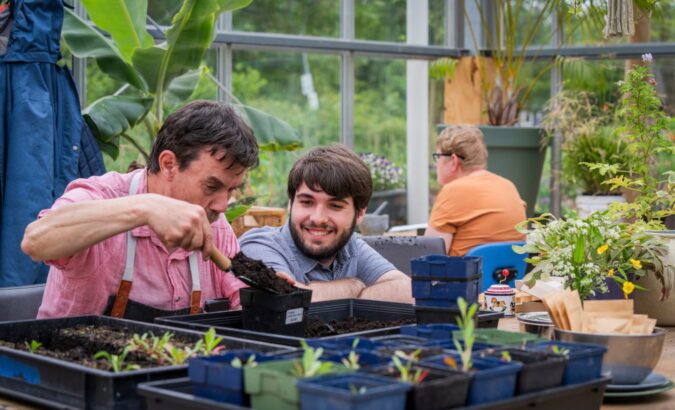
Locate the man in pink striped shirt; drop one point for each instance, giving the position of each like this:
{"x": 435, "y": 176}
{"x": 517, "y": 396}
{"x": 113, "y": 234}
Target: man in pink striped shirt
{"x": 153, "y": 227}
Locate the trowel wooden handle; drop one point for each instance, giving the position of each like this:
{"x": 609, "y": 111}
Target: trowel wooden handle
{"x": 222, "y": 261}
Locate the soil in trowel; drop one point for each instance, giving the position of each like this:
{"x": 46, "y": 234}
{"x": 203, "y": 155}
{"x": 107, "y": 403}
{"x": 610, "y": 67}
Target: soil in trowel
{"x": 258, "y": 272}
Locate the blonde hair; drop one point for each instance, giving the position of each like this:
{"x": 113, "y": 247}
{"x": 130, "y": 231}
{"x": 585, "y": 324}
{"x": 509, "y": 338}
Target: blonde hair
{"x": 464, "y": 141}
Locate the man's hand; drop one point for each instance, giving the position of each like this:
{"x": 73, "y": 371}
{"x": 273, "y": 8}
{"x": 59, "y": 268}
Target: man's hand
{"x": 288, "y": 278}
{"x": 179, "y": 224}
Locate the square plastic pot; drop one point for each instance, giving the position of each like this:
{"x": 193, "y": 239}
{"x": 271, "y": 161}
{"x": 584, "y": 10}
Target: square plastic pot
{"x": 584, "y": 361}
{"x": 436, "y": 331}
{"x": 444, "y": 293}
{"x": 540, "y": 370}
{"x": 343, "y": 392}
{"x": 281, "y": 314}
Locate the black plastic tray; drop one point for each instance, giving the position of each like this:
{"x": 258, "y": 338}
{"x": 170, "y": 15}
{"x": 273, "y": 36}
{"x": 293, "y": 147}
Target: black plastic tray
{"x": 176, "y": 394}
{"x": 61, "y": 384}
{"x": 584, "y": 396}
{"x": 230, "y": 323}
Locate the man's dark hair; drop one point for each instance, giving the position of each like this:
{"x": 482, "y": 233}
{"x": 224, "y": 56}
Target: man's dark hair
{"x": 335, "y": 170}
{"x": 201, "y": 124}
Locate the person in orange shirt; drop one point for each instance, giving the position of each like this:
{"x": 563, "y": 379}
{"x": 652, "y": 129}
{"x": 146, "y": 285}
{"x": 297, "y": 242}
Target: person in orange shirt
{"x": 474, "y": 206}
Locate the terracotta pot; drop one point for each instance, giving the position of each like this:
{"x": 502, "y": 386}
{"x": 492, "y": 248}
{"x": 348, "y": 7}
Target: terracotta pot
{"x": 648, "y": 302}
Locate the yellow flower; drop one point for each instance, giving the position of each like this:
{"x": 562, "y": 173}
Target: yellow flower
{"x": 602, "y": 249}
{"x": 628, "y": 288}
{"x": 610, "y": 273}
{"x": 636, "y": 263}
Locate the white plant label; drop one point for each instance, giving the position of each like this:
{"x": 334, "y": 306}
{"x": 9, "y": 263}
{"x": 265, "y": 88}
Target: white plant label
{"x": 294, "y": 316}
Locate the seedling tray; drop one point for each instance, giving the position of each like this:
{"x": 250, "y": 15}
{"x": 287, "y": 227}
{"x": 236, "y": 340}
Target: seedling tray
{"x": 230, "y": 323}
{"x": 176, "y": 394}
{"x": 59, "y": 383}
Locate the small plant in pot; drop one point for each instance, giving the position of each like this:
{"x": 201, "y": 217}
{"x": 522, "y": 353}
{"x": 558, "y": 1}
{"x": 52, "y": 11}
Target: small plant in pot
{"x": 490, "y": 380}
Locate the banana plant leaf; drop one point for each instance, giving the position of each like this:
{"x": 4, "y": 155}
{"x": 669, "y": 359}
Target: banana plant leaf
{"x": 124, "y": 20}
{"x": 84, "y": 41}
{"x": 181, "y": 88}
{"x": 272, "y": 133}
{"x": 109, "y": 117}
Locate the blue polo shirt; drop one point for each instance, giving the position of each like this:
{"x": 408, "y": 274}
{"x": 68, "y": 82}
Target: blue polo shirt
{"x": 275, "y": 247}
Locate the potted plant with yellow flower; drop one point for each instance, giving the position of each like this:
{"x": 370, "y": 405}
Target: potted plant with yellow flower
{"x": 598, "y": 256}
{"x": 648, "y": 131}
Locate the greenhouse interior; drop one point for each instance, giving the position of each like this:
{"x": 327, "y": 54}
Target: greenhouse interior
{"x": 337, "y": 204}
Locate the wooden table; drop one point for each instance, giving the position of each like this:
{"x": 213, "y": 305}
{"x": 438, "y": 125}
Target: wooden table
{"x": 666, "y": 367}
{"x": 663, "y": 401}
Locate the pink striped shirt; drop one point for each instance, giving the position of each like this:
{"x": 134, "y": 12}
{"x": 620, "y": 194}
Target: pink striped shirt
{"x": 81, "y": 284}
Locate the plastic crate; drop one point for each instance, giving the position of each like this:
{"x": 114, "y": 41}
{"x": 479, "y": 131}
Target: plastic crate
{"x": 430, "y": 314}
{"x": 442, "y": 293}
{"x": 446, "y": 267}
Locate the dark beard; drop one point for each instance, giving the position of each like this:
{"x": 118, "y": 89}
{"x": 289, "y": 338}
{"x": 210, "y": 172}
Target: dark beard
{"x": 325, "y": 253}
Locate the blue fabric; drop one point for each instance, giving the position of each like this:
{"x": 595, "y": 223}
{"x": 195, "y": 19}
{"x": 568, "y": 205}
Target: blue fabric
{"x": 275, "y": 247}
{"x": 40, "y": 132}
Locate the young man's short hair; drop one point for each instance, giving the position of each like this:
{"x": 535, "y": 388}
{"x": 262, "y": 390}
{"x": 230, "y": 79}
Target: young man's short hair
{"x": 335, "y": 170}
{"x": 464, "y": 141}
{"x": 202, "y": 124}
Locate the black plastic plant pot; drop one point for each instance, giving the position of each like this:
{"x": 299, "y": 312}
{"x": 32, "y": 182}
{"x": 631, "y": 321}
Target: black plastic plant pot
{"x": 53, "y": 382}
{"x": 540, "y": 370}
{"x": 281, "y": 314}
{"x": 382, "y": 313}
{"x": 430, "y": 314}
{"x": 440, "y": 389}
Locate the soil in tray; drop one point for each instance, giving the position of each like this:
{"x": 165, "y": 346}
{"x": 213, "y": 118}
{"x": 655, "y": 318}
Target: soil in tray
{"x": 318, "y": 328}
{"x": 258, "y": 272}
{"x": 80, "y": 344}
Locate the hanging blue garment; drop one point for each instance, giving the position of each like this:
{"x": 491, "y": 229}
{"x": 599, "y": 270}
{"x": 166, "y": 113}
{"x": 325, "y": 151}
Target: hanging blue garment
{"x": 41, "y": 132}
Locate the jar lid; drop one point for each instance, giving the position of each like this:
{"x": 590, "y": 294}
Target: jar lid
{"x": 500, "y": 290}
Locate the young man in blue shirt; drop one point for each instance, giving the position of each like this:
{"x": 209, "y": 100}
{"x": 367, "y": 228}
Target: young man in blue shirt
{"x": 328, "y": 191}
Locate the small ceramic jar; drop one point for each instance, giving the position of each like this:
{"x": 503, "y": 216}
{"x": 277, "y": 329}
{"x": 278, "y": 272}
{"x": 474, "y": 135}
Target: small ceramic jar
{"x": 501, "y": 298}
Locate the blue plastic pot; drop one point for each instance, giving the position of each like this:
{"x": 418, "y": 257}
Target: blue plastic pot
{"x": 213, "y": 377}
{"x": 584, "y": 361}
{"x": 367, "y": 358}
{"x": 491, "y": 380}
{"x": 340, "y": 392}
{"x": 437, "y": 293}
{"x": 477, "y": 346}
{"x": 344, "y": 343}
{"x": 441, "y": 266}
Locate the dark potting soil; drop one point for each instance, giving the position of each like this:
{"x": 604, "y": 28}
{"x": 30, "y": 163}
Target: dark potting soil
{"x": 80, "y": 344}
{"x": 263, "y": 278}
{"x": 318, "y": 328}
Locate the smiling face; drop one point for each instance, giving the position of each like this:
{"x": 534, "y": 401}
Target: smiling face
{"x": 322, "y": 224}
{"x": 206, "y": 181}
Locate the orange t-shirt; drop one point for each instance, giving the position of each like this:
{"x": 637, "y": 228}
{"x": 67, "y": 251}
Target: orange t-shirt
{"x": 478, "y": 209}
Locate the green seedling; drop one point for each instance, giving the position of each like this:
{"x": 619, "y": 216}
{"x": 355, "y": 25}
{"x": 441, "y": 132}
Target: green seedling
{"x": 33, "y": 346}
{"x": 238, "y": 363}
{"x": 116, "y": 362}
{"x": 211, "y": 343}
{"x": 150, "y": 345}
{"x": 352, "y": 360}
{"x": 404, "y": 370}
{"x": 562, "y": 351}
{"x": 466, "y": 328}
{"x": 506, "y": 356}
{"x": 310, "y": 365}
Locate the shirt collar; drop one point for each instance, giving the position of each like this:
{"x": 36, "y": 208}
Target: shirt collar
{"x": 307, "y": 264}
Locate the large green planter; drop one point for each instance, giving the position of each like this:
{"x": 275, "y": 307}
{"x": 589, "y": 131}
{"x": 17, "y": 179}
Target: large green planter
{"x": 516, "y": 154}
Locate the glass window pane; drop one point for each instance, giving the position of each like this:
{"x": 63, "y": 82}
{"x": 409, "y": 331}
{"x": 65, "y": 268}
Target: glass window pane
{"x": 380, "y": 129}
{"x": 380, "y": 20}
{"x": 299, "y": 88}
{"x": 437, "y": 15}
{"x": 310, "y": 17}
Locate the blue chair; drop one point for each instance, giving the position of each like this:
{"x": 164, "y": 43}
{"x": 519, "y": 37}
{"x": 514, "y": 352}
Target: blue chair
{"x": 498, "y": 256}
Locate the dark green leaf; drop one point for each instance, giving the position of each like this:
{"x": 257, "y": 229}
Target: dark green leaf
{"x": 272, "y": 133}
{"x": 181, "y": 88}
{"x": 110, "y": 116}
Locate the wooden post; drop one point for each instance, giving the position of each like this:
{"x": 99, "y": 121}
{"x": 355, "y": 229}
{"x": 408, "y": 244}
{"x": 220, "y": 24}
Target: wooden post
{"x": 463, "y": 101}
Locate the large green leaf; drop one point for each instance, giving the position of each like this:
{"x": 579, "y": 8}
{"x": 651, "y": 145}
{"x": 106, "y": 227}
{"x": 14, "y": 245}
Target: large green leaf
{"x": 111, "y": 116}
{"x": 181, "y": 88}
{"x": 272, "y": 133}
{"x": 187, "y": 40}
{"x": 124, "y": 20}
{"x": 85, "y": 41}
{"x": 111, "y": 148}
